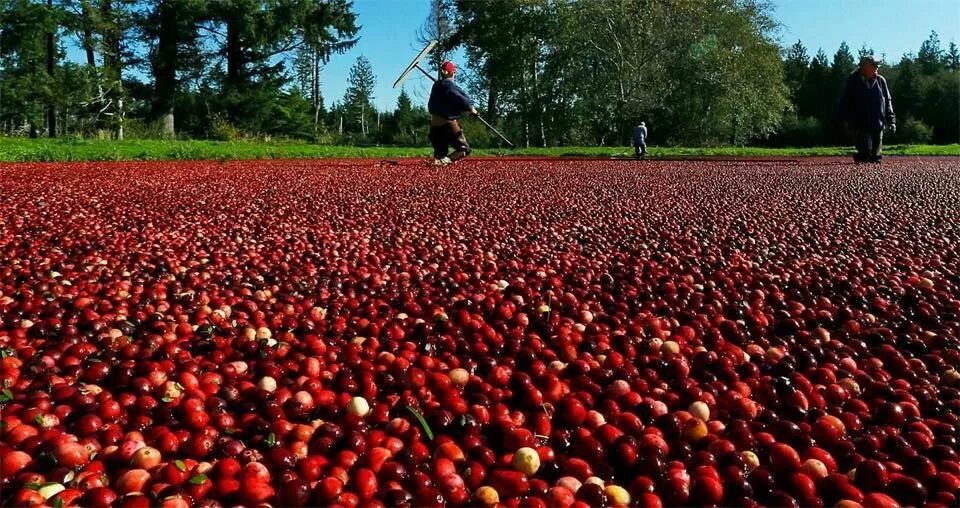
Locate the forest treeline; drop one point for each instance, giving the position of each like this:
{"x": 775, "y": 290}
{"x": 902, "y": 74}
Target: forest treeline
{"x": 549, "y": 72}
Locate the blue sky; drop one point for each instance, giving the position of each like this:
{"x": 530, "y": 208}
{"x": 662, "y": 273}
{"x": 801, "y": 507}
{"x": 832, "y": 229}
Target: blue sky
{"x": 891, "y": 27}
{"x": 388, "y": 37}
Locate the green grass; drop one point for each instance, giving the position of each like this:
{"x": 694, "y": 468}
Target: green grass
{"x": 40, "y": 150}
{"x": 666, "y": 152}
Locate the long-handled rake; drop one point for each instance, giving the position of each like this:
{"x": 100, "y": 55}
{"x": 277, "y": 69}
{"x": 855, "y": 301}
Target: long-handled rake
{"x": 415, "y": 64}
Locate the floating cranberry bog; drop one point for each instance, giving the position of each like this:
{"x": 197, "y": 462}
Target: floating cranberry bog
{"x": 529, "y": 332}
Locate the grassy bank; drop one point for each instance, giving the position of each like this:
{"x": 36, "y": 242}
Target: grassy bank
{"x": 27, "y": 150}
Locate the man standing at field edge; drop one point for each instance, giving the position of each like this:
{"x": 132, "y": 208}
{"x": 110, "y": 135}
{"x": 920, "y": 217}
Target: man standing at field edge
{"x": 447, "y": 102}
{"x": 866, "y": 106}
{"x": 640, "y": 140}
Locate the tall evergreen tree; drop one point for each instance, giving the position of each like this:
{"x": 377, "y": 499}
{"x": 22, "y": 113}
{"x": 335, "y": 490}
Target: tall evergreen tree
{"x": 931, "y": 55}
{"x": 404, "y": 114}
{"x": 843, "y": 63}
{"x": 28, "y": 86}
{"x": 817, "y": 93}
{"x": 358, "y": 100}
{"x": 906, "y": 88}
{"x": 53, "y": 26}
{"x": 256, "y": 39}
{"x": 115, "y": 21}
{"x": 795, "y": 66}
{"x": 173, "y": 25}
{"x": 952, "y": 57}
{"x": 407, "y": 124}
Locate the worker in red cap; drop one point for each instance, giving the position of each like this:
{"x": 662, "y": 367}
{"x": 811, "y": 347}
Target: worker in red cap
{"x": 447, "y": 102}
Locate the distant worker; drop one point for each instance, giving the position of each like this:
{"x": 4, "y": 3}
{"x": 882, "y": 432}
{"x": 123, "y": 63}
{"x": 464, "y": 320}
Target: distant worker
{"x": 447, "y": 102}
{"x": 640, "y": 140}
{"x": 866, "y": 106}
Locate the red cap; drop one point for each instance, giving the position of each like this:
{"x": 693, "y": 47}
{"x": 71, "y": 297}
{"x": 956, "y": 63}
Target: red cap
{"x": 448, "y": 68}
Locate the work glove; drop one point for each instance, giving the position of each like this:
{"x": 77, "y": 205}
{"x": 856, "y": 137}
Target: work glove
{"x": 473, "y": 111}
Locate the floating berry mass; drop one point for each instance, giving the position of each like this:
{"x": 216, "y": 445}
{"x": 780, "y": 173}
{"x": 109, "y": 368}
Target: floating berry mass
{"x": 515, "y": 332}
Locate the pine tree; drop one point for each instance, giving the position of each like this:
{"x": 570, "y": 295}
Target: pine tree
{"x": 358, "y": 100}
{"x": 115, "y": 19}
{"x": 819, "y": 94}
{"x": 258, "y": 38}
{"x": 907, "y": 88}
{"x": 952, "y": 57}
{"x": 27, "y": 85}
{"x": 174, "y": 26}
{"x": 931, "y": 56}
{"x": 404, "y": 112}
{"x": 841, "y": 67}
{"x": 405, "y": 116}
{"x": 843, "y": 63}
{"x": 795, "y": 69}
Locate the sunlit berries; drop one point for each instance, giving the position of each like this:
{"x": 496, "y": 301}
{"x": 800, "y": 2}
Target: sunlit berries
{"x": 518, "y": 333}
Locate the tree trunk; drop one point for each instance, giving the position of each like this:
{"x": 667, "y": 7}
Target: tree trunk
{"x": 86, "y": 13}
{"x": 121, "y": 115}
{"x": 165, "y": 68}
{"x": 234, "y": 54}
{"x": 525, "y": 110}
{"x": 439, "y": 30}
{"x": 113, "y": 57}
{"x": 315, "y": 89}
{"x": 733, "y": 134}
{"x": 315, "y": 82}
{"x": 538, "y": 96}
{"x": 235, "y": 67}
{"x": 492, "y": 102}
{"x": 111, "y": 41}
{"x": 543, "y": 130}
{"x": 51, "y": 59}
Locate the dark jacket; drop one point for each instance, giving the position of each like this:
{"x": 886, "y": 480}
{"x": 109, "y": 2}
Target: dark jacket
{"x": 866, "y": 104}
{"x": 448, "y": 100}
{"x": 639, "y": 135}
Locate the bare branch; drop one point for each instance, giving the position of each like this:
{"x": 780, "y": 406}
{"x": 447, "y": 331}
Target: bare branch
{"x": 211, "y": 30}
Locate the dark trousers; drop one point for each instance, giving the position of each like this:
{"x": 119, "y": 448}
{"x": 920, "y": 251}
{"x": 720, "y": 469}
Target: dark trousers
{"x": 869, "y": 143}
{"x": 445, "y": 135}
{"x": 640, "y": 149}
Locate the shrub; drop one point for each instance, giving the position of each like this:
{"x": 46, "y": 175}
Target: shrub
{"x": 794, "y": 131}
{"x": 223, "y": 130}
{"x": 914, "y": 132}
{"x": 135, "y": 128}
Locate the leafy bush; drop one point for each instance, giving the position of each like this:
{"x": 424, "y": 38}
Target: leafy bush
{"x": 223, "y": 130}
{"x": 798, "y": 131}
{"x": 913, "y": 131}
{"x": 135, "y": 128}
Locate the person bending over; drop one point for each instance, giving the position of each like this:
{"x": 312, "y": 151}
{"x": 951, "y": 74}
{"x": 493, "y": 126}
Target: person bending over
{"x": 447, "y": 102}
